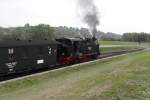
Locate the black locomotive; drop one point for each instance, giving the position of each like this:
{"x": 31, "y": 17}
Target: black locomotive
{"x": 17, "y": 56}
{"x": 73, "y": 50}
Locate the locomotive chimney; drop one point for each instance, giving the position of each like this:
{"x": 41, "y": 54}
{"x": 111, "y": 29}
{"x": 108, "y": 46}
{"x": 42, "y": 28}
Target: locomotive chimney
{"x": 94, "y": 31}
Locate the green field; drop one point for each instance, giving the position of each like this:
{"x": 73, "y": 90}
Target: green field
{"x": 117, "y": 43}
{"x": 121, "y": 43}
{"x": 112, "y": 46}
{"x": 121, "y": 78}
{"x": 116, "y": 49}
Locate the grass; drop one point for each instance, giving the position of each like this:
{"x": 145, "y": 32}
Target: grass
{"x": 122, "y": 43}
{"x": 117, "y": 43}
{"x": 121, "y": 78}
{"x": 111, "y": 46}
{"x": 120, "y": 48}
{"x": 146, "y": 44}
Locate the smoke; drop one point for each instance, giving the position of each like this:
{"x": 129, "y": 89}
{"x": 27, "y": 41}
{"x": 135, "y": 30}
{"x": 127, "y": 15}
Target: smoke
{"x": 90, "y": 14}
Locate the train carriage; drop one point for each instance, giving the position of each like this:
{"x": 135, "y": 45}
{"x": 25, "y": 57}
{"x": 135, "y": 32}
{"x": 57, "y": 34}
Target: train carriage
{"x": 19, "y": 56}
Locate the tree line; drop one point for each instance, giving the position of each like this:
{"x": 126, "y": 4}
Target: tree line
{"x": 26, "y": 32}
{"x": 41, "y": 31}
{"x": 136, "y": 37}
{"x": 44, "y": 31}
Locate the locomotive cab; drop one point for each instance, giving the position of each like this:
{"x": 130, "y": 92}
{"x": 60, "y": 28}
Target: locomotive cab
{"x": 68, "y": 48}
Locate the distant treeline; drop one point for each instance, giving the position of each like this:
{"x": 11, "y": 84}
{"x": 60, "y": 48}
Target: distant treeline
{"x": 41, "y": 31}
{"x": 44, "y": 31}
{"x": 26, "y": 32}
{"x": 136, "y": 37}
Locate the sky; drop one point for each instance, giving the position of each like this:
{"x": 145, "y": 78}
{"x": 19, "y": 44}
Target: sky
{"x": 118, "y": 16}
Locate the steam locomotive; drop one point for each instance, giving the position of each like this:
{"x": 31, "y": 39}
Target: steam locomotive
{"x": 18, "y": 56}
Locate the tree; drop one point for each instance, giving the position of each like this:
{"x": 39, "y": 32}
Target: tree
{"x": 136, "y": 37}
{"x": 41, "y": 31}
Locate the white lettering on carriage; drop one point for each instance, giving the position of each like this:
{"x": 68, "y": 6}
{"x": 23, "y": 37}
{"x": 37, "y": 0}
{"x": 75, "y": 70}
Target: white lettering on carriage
{"x": 50, "y": 51}
{"x": 11, "y": 65}
{"x": 11, "y": 51}
{"x": 40, "y": 61}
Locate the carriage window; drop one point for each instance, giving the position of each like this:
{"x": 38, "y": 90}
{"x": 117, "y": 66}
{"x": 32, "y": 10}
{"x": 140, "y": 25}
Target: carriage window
{"x": 11, "y": 51}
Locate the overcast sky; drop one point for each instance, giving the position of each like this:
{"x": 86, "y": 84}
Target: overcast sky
{"x": 115, "y": 15}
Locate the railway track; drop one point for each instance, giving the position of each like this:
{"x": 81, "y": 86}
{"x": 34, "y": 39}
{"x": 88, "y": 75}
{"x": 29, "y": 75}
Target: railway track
{"x": 103, "y": 55}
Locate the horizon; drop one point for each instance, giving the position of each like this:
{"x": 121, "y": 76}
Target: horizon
{"x": 72, "y": 27}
